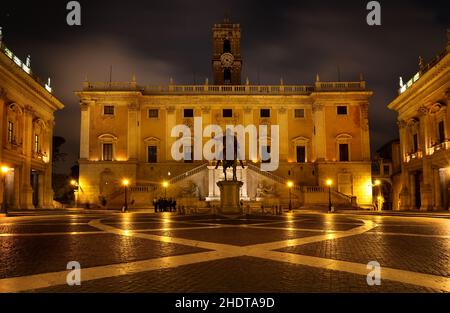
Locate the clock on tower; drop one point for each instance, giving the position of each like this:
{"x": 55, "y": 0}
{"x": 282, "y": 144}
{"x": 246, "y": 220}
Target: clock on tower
{"x": 226, "y": 61}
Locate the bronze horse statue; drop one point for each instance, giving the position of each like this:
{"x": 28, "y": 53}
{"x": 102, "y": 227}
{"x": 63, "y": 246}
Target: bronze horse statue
{"x": 229, "y": 163}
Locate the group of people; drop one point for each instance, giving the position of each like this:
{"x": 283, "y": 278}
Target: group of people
{"x": 165, "y": 205}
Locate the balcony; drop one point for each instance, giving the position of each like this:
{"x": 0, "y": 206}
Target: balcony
{"x": 414, "y": 156}
{"x": 442, "y": 146}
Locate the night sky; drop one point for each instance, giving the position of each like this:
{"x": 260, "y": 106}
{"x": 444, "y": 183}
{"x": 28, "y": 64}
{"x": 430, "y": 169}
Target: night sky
{"x": 157, "y": 40}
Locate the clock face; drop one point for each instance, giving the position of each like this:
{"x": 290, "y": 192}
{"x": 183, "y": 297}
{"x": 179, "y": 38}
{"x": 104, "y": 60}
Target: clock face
{"x": 227, "y": 59}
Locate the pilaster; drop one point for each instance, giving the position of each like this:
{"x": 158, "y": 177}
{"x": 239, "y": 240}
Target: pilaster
{"x": 132, "y": 141}
{"x": 319, "y": 138}
{"x": 84, "y": 130}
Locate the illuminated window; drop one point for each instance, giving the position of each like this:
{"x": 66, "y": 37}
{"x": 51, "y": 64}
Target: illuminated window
{"x": 153, "y": 113}
{"x": 227, "y": 113}
{"x": 264, "y": 113}
{"x": 152, "y": 154}
{"x": 107, "y": 152}
{"x": 342, "y": 110}
{"x": 10, "y": 131}
{"x": 299, "y": 113}
{"x": 36, "y": 143}
{"x": 188, "y": 113}
{"x": 386, "y": 170}
{"x": 108, "y": 110}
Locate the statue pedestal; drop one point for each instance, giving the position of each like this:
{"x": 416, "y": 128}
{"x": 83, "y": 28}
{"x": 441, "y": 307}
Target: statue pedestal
{"x": 229, "y": 197}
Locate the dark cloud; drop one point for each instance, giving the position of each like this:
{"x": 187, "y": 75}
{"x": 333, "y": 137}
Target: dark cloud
{"x": 157, "y": 40}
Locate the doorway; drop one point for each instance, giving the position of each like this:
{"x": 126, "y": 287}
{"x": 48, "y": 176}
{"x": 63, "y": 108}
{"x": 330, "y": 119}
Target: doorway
{"x": 34, "y": 181}
{"x": 417, "y": 181}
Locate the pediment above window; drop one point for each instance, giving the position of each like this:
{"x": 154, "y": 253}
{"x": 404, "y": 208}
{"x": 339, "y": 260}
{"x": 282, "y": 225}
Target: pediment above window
{"x": 107, "y": 138}
{"x": 151, "y": 139}
{"x": 300, "y": 140}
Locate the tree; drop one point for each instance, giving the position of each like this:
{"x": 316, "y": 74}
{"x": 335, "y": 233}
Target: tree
{"x": 57, "y": 155}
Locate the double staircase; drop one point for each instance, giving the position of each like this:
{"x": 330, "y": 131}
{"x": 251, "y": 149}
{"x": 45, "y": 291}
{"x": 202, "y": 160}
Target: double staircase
{"x": 305, "y": 195}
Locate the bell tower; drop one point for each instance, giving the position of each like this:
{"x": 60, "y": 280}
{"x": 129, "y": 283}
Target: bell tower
{"x": 226, "y": 60}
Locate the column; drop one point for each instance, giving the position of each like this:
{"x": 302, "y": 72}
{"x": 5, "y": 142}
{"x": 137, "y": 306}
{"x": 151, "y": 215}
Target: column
{"x": 427, "y": 172}
{"x": 3, "y": 112}
{"x": 170, "y": 123}
{"x": 84, "y": 131}
{"x": 26, "y": 199}
{"x": 248, "y": 120}
{"x": 16, "y": 203}
{"x": 133, "y": 138}
{"x": 41, "y": 189}
{"x": 437, "y": 191}
{"x": 210, "y": 181}
{"x": 206, "y": 120}
{"x": 319, "y": 138}
{"x": 405, "y": 189}
{"x": 284, "y": 134}
{"x": 47, "y": 174}
{"x": 244, "y": 180}
{"x": 365, "y": 136}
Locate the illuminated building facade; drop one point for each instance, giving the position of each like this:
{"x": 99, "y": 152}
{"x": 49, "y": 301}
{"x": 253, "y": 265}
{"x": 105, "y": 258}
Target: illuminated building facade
{"x": 423, "y": 120}
{"x": 27, "y": 116}
{"x": 323, "y": 134}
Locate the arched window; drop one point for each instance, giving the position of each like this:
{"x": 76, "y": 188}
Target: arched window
{"x": 227, "y": 76}
{"x": 226, "y": 46}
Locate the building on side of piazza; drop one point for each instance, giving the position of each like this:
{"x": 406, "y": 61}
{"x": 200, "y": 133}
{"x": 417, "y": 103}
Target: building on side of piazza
{"x": 424, "y": 126}
{"x": 27, "y": 109}
{"x": 126, "y": 133}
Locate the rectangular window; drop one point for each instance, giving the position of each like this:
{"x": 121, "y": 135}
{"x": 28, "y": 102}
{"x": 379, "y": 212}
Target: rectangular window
{"x": 265, "y": 154}
{"x": 152, "y": 154}
{"x": 343, "y": 152}
{"x": 301, "y": 154}
{"x": 108, "y": 110}
{"x": 36, "y": 143}
{"x": 188, "y": 112}
{"x": 415, "y": 143}
{"x": 299, "y": 113}
{"x": 264, "y": 113}
{"x": 107, "y": 152}
{"x": 386, "y": 170}
{"x": 153, "y": 113}
{"x": 188, "y": 154}
{"x": 341, "y": 110}
{"x": 10, "y": 131}
{"x": 441, "y": 134}
{"x": 227, "y": 113}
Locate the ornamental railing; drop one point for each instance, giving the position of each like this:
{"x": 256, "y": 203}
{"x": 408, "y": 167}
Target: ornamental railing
{"x": 226, "y": 89}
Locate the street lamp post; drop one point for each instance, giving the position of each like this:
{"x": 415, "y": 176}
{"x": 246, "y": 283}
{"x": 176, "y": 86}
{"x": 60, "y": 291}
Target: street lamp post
{"x": 125, "y": 183}
{"x": 290, "y": 184}
{"x": 4, "y": 170}
{"x": 165, "y": 185}
{"x": 329, "y": 183}
{"x": 75, "y": 185}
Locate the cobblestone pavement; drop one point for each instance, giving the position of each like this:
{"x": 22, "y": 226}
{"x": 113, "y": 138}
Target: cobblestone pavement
{"x": 301, "y": 252}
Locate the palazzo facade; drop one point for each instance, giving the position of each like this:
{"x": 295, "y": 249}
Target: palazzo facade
{"x": 424, "y": 124}
{"x": 27, "y": 109}
{"x": 126, "y": 133}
